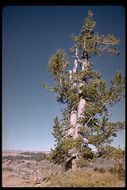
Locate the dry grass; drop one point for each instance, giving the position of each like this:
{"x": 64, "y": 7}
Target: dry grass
{"x": 86, "y": 179}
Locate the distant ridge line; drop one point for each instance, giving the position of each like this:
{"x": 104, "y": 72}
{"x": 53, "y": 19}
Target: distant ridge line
{"x": 20, "y": 151}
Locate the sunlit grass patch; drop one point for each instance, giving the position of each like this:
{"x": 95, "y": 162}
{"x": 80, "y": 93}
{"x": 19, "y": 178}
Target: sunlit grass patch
{"x": 85, "y": 179}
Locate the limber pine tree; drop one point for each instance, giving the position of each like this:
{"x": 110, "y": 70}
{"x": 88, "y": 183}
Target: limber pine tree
{"x": 86, "y": 98}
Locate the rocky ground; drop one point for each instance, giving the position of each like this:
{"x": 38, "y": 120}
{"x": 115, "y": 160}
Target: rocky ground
{"x": 21, "y": 169}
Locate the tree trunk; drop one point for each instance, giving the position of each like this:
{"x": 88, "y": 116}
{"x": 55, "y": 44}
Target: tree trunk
{"x": 80, "y": 110}
{"x": 75, "y": 115}
{"x": 74, "y": 164}
{"x": 73, "y": 118}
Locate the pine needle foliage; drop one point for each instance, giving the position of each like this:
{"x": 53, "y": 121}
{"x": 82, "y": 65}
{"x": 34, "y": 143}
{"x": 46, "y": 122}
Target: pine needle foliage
{"x": 99, "y": 130}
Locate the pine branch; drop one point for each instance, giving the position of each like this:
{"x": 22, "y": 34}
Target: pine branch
{"x": 50, "y": 89}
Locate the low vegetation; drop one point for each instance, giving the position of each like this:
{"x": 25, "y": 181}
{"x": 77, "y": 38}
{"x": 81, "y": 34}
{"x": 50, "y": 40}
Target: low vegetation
{"x": 84, "y": 178}
{"x": 36, "y": 170}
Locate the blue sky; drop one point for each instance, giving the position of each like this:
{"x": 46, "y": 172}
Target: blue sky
{"x": 30, "y": 36}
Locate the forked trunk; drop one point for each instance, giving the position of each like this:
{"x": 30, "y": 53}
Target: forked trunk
{"x": 78, "y": 113}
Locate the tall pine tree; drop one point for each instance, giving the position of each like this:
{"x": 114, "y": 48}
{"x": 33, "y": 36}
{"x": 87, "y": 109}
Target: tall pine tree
{"x": 85, "y": 119}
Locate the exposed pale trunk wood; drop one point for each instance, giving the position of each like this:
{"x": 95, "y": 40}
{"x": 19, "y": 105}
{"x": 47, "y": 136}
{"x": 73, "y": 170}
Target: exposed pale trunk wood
{"x": 81, "y": 107}
{"x": 85, "y": 64}
{"x": 80, "y": 110}
{"x": 75, "y": 65}
{"x": 74, "y": 164}
{"x": 73, "y": 118}
{"x": 70, "y": 132}
{"x": 78, "y": 113}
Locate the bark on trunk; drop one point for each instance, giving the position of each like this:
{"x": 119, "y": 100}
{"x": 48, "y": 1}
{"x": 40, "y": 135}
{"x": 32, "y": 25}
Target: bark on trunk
{"x": 80, "y": 110}
{"x": 75, "y": 115}
{"x": 73, "y": 118}
{"x": 74, "y": 164}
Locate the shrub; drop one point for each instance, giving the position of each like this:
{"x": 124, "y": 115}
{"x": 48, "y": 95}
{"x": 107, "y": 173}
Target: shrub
{"x": 86, "y": 152}
{"x": 82, "y": 162}
{"x": 118, "y": 170}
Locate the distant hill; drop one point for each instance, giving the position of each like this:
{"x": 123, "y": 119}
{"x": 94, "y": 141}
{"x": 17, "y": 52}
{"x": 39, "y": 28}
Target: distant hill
{"x": 16, "y": 152}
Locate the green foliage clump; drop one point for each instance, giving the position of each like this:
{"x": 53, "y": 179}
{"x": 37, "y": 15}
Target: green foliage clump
{"x": 82, "y": 162}
{"x": 58, "y": 63}
{"x": 92, "y": 42}
{"x": 112, "y": 152}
